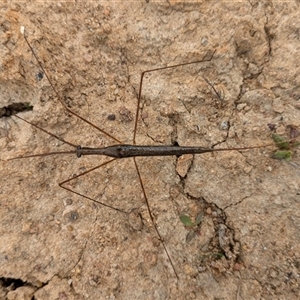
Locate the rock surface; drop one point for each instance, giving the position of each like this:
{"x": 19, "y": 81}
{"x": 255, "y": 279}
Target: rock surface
{"x": 57, "y": 245}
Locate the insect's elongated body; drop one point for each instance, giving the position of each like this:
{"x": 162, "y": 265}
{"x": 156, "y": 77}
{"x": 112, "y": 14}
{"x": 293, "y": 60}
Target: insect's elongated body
{"x": 123, "y": 151}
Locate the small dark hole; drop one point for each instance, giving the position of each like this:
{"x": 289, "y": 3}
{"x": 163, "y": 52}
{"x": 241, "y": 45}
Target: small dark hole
{"x": 12, "y": 283}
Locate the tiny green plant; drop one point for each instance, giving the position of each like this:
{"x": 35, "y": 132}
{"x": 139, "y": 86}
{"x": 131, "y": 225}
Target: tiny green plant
{"x": 285, "y": 147}
{"x": 193, "y": 227}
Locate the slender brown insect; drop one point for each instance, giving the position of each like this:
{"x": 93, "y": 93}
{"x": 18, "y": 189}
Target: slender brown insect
{"x": 120, "y": 150}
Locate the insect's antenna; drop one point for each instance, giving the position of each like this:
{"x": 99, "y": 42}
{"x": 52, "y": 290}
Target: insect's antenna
{"x": 59, "y": 138}
{"x": 43, "y": 154}
{"x": 48, "y": 132}
{"x": 159, "y": 69}
{"x": 59, "y": 97}
{"x": 152, "y": 219}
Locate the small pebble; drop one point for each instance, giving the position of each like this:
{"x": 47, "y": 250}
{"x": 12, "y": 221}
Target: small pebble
{"x": 111, "y": 117}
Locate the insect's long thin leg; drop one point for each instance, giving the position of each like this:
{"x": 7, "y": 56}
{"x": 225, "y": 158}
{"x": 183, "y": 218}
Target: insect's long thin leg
{"x": 152, "y": 219}
{"x": 134, "y": 142}
{"x": 61, "y": 184}
{"x": 154, "y": 70}
{"x": 214, "y": 89}
{"x": 60, "y": 100}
